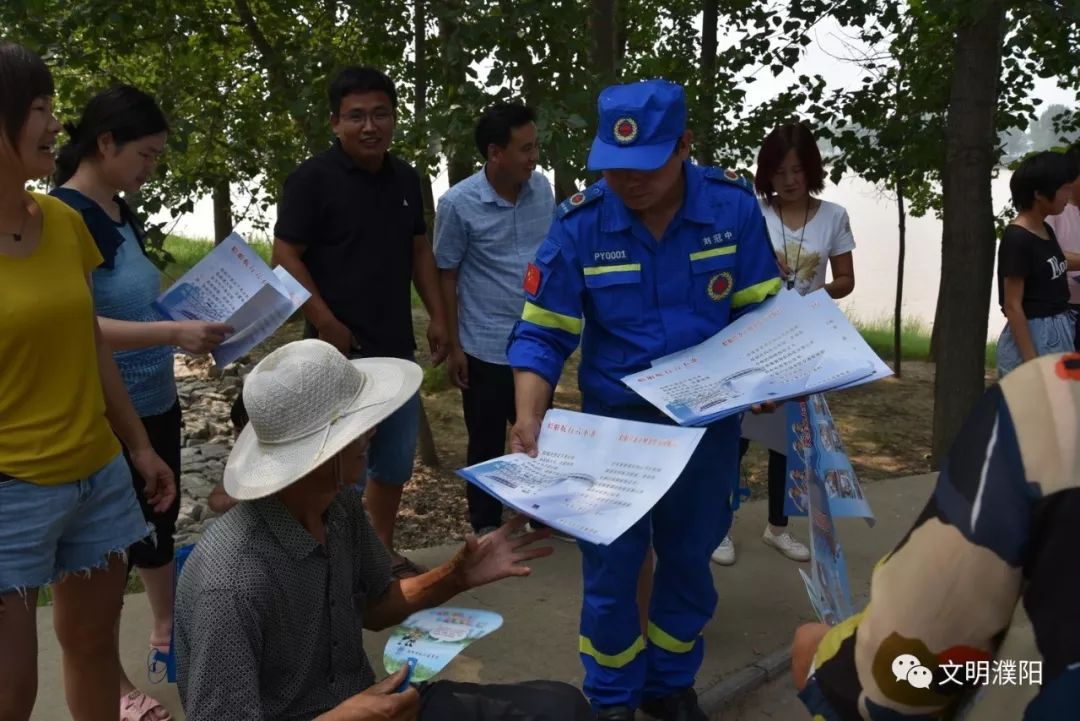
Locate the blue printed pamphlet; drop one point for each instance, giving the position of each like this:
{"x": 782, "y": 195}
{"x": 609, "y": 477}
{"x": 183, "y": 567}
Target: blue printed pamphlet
{"x": 233, "y": 285}
{"x": 827, "y": 583}
{"x": 812, "y": 433}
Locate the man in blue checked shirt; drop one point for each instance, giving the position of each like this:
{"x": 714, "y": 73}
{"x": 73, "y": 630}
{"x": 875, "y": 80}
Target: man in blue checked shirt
{"x": 487, "y": 229}
{"x": 656, "y": 257}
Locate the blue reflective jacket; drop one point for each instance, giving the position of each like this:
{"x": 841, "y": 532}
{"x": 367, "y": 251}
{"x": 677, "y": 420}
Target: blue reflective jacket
{"x": 601, "y": 278}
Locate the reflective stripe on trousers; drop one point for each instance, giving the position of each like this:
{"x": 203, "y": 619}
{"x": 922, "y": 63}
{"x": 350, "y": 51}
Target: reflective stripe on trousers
{"x": 686, "y": 525}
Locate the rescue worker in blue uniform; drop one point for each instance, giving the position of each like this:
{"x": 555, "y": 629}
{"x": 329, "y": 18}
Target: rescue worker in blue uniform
{"x": 656, "y": 257}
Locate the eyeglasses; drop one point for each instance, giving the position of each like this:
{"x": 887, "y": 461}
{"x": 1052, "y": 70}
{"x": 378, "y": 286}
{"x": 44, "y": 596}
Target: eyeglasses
{"x": 377, "y": 117}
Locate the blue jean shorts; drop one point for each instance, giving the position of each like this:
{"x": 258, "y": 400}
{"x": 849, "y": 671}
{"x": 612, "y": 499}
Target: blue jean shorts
{"x": 47, "y": 532}
{"x": 1053, "y": 334}
{"x": 393, "y": 448}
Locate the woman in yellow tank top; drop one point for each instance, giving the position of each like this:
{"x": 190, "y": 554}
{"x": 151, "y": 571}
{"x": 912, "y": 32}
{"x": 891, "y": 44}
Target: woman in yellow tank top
{"x": 68, "y": 511}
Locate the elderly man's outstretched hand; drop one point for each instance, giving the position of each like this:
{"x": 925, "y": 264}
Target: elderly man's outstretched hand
{"x": 501, "y": 553}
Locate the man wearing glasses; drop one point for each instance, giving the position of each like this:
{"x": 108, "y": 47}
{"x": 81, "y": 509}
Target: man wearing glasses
{"x": 351, "y": 228}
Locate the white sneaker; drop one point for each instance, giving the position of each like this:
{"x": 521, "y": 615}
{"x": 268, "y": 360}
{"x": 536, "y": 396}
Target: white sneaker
{"x": 786, "y": 545}
{"x": 725, "y": 552}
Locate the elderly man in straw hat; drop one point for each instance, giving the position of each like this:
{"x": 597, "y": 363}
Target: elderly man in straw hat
{"x": 272, "y": 602}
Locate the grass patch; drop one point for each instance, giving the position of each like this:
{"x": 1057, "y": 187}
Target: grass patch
{"x": 914, "y": 339}
{"x": 186, "y": 252}
{"x": 436, "y": 379}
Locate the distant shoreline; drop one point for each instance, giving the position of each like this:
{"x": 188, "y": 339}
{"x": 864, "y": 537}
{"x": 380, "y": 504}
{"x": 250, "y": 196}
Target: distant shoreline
{"x": 873, "y": 223}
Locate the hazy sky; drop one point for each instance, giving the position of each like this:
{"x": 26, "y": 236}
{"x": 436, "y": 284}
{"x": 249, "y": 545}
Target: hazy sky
{"x": 821, "y": 57}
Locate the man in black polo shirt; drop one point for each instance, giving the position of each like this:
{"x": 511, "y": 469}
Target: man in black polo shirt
{"x": 351, "y": 228}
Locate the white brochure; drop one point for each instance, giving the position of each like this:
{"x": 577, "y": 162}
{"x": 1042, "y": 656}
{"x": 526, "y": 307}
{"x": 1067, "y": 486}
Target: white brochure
{"x": 594, "y": 477}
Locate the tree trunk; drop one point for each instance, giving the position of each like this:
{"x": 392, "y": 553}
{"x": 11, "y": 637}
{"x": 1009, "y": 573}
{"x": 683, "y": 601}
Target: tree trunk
{"x": 420, "y": 61}
{"x": 420, "y": 107}
{"x": 967, "y": 255}
{"x": 706, "y": 142}
{"x": 458, "y": 154}
{"x": 605, "y": 42}
{"x": 605, "y": 49}
{"x": 425, "y": 441}
{"x": 523, "y": 63}
{"x": 934, "y": 341}
{"x": 622, "y": 32}
{"x": 223, "y": 218}
{"x": 897, "y": 318}
{"x": 459, "y": 166}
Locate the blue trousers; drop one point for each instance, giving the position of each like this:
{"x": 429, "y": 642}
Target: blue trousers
{"x": 621, "y": 666}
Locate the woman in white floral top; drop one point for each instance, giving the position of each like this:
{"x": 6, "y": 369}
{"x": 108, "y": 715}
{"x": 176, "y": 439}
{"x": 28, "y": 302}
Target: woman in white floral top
{"x": 807, "y": 234}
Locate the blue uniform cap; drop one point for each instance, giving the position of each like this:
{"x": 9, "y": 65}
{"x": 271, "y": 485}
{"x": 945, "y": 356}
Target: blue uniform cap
{"x": 639, "y": 125}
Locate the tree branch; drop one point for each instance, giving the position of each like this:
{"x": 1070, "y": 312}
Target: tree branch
{"x": 278, "y": 77}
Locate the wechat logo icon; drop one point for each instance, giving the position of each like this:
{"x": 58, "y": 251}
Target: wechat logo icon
{"x": 906, "y": 667}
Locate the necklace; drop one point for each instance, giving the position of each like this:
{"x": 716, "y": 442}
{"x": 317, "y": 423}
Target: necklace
{"x": 783, "y": 239}
{"x": 22, "y": 227}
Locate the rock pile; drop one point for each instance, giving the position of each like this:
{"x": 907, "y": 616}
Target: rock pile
{"x": 206, "y": 397}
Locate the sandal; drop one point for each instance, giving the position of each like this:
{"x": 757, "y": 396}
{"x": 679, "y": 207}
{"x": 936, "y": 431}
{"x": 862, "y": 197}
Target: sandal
{"x": 405, "y": 568}
{"x": 137, "y": 706}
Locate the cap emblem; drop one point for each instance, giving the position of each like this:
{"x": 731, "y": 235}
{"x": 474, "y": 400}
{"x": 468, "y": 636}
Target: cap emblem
{"x": 626, "y": 130}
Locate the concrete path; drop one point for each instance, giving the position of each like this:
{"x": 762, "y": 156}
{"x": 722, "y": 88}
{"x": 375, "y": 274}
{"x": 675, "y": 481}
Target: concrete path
{"x": 762, "y": 600}
{"x": 774, "y": 701}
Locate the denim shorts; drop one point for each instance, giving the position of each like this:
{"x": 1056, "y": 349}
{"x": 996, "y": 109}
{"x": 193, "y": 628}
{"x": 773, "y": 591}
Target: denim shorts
{"x": 47, "y": 532}
{"x": 393, "y": 448}
{"x": 1053, "y": 334}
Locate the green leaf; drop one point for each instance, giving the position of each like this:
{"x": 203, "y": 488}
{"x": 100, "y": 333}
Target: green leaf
{"x": 576, "y": 121}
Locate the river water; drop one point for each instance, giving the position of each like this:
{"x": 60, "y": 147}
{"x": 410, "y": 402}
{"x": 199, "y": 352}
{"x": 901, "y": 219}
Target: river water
{"x": 874, "y": 224}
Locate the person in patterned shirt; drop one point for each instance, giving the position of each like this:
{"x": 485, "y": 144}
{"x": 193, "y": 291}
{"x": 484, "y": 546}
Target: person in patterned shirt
{"x": 974, "y": 614}
{"x": 272, "y": 603}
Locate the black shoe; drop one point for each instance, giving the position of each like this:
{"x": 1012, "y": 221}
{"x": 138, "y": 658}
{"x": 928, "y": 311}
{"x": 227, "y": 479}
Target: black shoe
{"x": 615, "y": 713}
{"x": 679, "y": 706}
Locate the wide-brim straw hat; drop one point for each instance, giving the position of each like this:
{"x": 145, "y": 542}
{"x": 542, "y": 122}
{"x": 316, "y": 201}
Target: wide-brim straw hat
{"x": 306, "y": 402}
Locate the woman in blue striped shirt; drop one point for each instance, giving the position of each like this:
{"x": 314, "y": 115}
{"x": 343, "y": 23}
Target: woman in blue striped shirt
{"x": 114, "y": 149}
